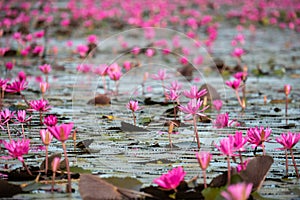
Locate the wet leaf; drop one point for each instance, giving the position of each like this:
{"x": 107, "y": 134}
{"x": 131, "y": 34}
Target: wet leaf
{"x": 275, "y": 101}
{"x": 213, "y": 193}
{"x": 50, "y": 159}
{"x": 126, "y": 127}
{"x": 80, "y": 170}
{"x": 8, "y": 190}
{"x": 100, "y": 99}
{"x": 127, "y": 182}
{"x": 255, "y": 176}
{"x": 212, "y": 93}
{"x": 84, "y": 144}
{"x": 92, "y": 187}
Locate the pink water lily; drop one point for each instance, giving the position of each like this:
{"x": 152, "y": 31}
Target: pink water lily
{"x": 17, "y": 149}
{"x": 16, "y": 86}
{"x": 172, "y": 179}
{"x": 217, "y": 104}
{"x": 239, "y": 191}
{"x": 204, "y": 159}
{"x": 193, "y": 108}
{"x": 61, "y": 132}
{"x": 21, "y": 116}
{"x": 161, "y": 75}
{"x": 50, "y": 120}
{"x": 258, "y": 135}
{"x": 235, "y": 84}
{"x": 46, "y": 68}
{"x": 195, "y": 93}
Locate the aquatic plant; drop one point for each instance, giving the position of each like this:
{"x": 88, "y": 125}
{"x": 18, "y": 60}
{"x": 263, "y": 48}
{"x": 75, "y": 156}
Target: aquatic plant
{"x": 172, "y": 179}
{"x": 204, "y": 159}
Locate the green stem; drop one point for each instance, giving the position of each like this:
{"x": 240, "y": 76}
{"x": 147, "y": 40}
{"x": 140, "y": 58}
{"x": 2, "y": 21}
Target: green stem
{"x": 69, "y": 187}
{"x": 134, "y": 118}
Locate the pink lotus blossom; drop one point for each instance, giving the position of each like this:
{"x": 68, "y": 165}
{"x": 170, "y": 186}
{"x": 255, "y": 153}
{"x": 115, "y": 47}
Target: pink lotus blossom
{"x": 84, "y": 68}
{"x": 133, "y": 106}
{"x": 3, "y": 83}
{"x": 21, "y": 116}
{"x": 195, "y": 93}
{"x": 17, "y": 149}
{"x": 6, "y": 115}
{"x": 221, "y": 121}
{"x": 173, "y": 95}
{"x": 240, "y": 75}
{"x": 183, "y": 60}
{"x": 127, "y": 65}
{"x": 39, "y": 105}
{"x": 22, "y": 76}
{"x": 161, "y": 75}
{"x": 92, "y": 39}
{"x": 288, "y": 140}
{"x": 193, "y": 108}
{"x": 115, "y": 75}
{"x": 46, "y": 136}
{"x": 61, "y": 132}
{"x": 238, "y": 52}
{"x": 101, "y": 70}
{"x": 239, "y": 191}
{"x": 39, "y": 34}
{"x": 38, "y": 50}
{"x": 135, "y": 50}
{"x": 239, "y": 141}
{"x": 149, "y": 52}
{"x": 82, "y": 50}
{"x": 217, "y": 104}
{"x": 226, "y": 146}
{"x": 258, "y": 135}
{"x": 44, "y": 86}
{"x": 235, "y": 84}
{"x": 9, "y": 65}
{"x": 65, "y": 22}
{"x": 46, "y": 68}
{"x": 204, "y": 159}
{"x": 16, "y": 86}
{"x": 3, "y": 51}
{"x": 166, "y": 51}
{"x": 50, "y": 120}
{"x": 175, "y": 86}
{"x": 172, "y": 179}
{"x": 55, "y": 164}
{"x": 287, "y": 89}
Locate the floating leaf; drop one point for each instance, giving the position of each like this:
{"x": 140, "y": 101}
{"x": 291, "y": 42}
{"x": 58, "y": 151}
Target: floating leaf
{"x": 127, "y": 182}
{"x": 80, "y": 170}
{"x": 256, "y": 171}
{"x": 126, "y": 127}
{"x": 84, "y": 144}
{"x": 212, "y": 192}
{"x": 100, "y": 99}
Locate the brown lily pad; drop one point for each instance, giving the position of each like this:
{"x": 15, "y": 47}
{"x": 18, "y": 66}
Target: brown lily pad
{"x": 100, "y": 99}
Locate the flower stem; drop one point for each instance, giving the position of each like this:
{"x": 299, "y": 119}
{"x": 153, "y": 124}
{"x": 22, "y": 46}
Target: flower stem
{"x": 8, "y": 131}
{"x": 286, "y": 109}
{"x": 174, "y": 110}
{"x": 104, "y": 84}
{"x": 196, "y": 130}
{"x": 28, "y": 171}
{"x": 53, "y": 179}
{"x": 134, "y": 118}
{"x": 41, "y": 119}
{"x": 170, "y": 140}
{"x": 69, "y": 187}
{"x": 263, "y": 148}
{"x": 46, "y": 160}
{"x": 23, "y": 130}
{"x": 204, "y": 178}
{"x": 294, "y": 163}
{"x": 239, "y": 99}
{"x": 286, "y": 163}
{"x": 228, "y": 173}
